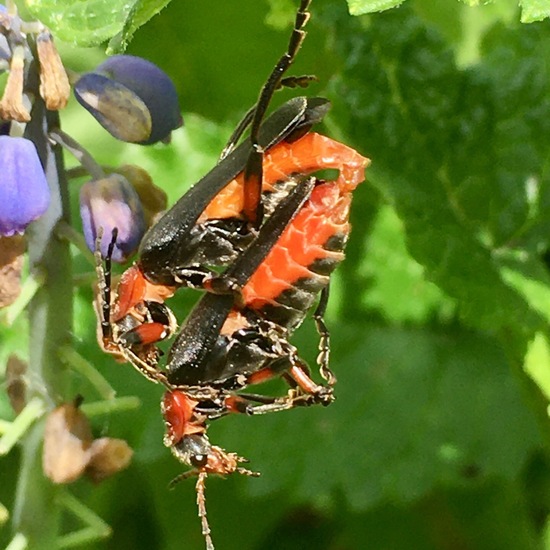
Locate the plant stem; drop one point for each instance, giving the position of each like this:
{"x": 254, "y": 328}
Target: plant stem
{"x": 37, "y": 512}
{"x": 86, "y": 160}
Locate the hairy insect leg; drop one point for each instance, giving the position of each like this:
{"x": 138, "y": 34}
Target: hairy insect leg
{"x": 288, "y": 82}
{"x": 248, "y": 403}
{"x": 200, "y": 486}
{"x": 201, "y": 505}
{"x": 324, "y": 338}
{"x": 274, "y": 80}
{"x": 299, "y": 373}
{"x": 253, "y": 170}
{"x": 304, "y": 390}
{"x": 151, "y": 372}
{"x": 253, "y": 404}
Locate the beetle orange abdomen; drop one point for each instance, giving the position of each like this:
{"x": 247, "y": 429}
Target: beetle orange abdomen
{"x": 308, "y": 154}
{"x": 307, "y": 252}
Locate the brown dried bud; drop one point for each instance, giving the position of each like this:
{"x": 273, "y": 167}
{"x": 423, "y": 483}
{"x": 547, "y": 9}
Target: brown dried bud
{"x": 11, "y": 263}
{"x": 153, "y": 199}
{"x": 11, "y": 104}
{"x": 54, "y": 83}
{"x": 67, "y": 442}
{"x": 109, "y": 456}
{"x": 70, "y": 450}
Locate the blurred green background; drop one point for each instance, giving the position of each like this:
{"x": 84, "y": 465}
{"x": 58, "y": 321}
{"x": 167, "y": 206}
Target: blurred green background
{"x": 440, "y": 315}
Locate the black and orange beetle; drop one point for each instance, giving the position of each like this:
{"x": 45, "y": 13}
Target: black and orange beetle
{"x": 279, "y": 231}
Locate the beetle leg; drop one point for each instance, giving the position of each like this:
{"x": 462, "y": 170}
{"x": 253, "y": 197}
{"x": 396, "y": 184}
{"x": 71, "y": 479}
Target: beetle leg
{"x": 151, "y": 372}
{"x": 324, "y": 338}
{"x": 318, "y": 393}
{"x": 301, "y": 81}
{"x": 287, "y": 82}
{"x": 277, "y": 404}
{"x": 252, "y": 188}
{"x": 193, "y": 277}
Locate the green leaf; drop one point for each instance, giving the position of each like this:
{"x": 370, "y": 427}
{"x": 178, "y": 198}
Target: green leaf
{"x": 82, "y": 22}
{"x": 459, "y": 153}
{"x": 281, "y": 14}
{"x": 360, "y": 7}
{"x": 398, "y": 287}
{"x": 487, "y": 515}
{"x": 415, "y": 410}
{"x": 91, "y": 22}
{"x": 534, "y": 10}
{"x": 140, "y": 13}
{"x": 537, "y": 363}
{"x": 530, "y": 280}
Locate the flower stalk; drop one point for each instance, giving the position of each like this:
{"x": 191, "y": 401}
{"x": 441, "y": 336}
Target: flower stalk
{"x": 37, "y": 514}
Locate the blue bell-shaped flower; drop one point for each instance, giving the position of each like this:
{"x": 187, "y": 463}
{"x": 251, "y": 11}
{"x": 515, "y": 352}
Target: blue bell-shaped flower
{"x": 24, "y": 191}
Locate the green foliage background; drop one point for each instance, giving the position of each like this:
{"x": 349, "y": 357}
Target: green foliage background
{"x": 439, "y": 316}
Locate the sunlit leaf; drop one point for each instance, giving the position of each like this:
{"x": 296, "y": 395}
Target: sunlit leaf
{"x": 456, "y": 152}
{"x": 534, "y": 10}
{"x": 359, "y": 7}
{"x": 85, "y": 23}
{"x": 88, "y": 23}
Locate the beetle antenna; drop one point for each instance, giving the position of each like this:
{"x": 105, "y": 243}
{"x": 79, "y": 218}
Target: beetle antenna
{"x": 104, "y": 272}
{"x": 179, "y": 478}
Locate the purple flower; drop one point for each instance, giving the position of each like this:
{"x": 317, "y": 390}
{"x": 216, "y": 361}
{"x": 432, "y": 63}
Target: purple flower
{"x": 131, "y": 98}
{"x": 111, "y": 203}
{"x": 24, "y": 192}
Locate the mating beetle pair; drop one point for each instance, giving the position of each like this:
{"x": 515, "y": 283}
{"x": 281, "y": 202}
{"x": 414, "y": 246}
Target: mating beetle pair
{"x": 281, "y": 232}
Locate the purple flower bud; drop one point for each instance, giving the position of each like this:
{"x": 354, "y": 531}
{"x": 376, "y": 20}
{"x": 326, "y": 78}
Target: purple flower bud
{"x": 131, "y": 98}
{"x": 24, "y": 192}
{"x": 112, "y": 203}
